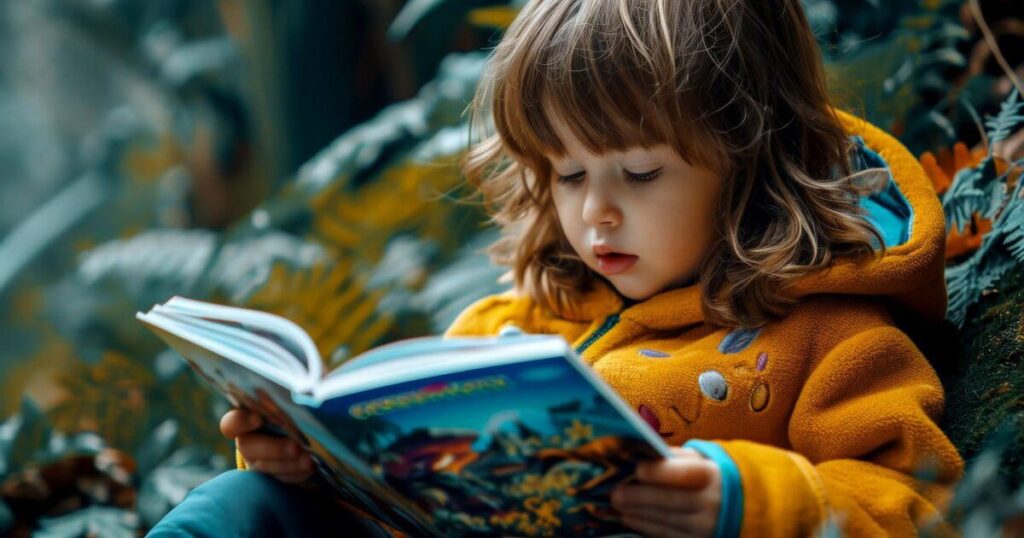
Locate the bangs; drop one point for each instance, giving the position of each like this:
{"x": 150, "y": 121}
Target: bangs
{"x": 590, "y": 71}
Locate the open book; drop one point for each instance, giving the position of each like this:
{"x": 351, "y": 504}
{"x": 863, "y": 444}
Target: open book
{"x": 508, "y": 435}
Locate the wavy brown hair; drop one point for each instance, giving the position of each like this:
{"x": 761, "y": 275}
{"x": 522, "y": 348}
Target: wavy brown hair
{"x": 734, "y": 85}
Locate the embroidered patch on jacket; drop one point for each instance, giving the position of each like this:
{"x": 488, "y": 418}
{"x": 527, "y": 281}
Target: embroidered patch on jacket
{"x": 510, "y": 330}
{"x": 650, "y": 417}
{"x": 713, "y": 385}
{"x": 759, "y": 397}
{"x": 738, "y": 340}
{"x": 653, "y": 353}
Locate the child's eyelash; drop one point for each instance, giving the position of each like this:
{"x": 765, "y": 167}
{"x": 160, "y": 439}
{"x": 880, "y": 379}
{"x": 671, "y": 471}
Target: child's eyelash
{"x": 571, "y": 178}
{"x": 642, "y": 177}
{"x": 633, "y": 177}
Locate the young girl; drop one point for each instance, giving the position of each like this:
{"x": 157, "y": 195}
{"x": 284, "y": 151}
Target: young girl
{"x": 680, "y": 201}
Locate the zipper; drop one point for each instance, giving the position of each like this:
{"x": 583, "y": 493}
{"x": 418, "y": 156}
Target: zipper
{"x": 609, "y": 322}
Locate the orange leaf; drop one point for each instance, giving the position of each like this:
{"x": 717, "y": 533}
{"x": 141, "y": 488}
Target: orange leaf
{"x": 959, "y": 243}
{"x": 940, "y": 180}
{"x": 943, "y": 167}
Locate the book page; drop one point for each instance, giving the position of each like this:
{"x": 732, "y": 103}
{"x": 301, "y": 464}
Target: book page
{"x": 431, "y": 356}
{"x": 193, "y": 341}
{"x": 533, "y": 444}
{"x": 345, "y": 475}
{"x": 407, "y": 348}
{"x": 277, "y": 329}
{"x": 250, "y": 347}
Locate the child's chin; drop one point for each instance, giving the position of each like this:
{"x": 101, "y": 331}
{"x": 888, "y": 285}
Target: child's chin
{"x": 632, "y": 292}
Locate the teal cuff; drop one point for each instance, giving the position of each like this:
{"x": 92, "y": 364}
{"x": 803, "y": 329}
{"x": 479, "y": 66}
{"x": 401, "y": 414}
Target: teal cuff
{"x": 730, "y": 514}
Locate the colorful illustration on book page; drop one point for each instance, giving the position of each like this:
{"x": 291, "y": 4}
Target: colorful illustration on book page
{"x": 524, "y": 449}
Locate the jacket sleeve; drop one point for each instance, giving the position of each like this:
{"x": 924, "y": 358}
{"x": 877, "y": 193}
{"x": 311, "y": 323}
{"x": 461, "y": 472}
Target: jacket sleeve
{"x": 867, "y": 454}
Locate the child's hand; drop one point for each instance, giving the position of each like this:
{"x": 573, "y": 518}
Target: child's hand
{"x": 277, "y": 456}
{"x": 679, "y": 496}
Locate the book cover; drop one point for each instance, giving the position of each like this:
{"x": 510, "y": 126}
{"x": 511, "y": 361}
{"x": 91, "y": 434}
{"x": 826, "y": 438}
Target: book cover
{"x": 432, "y": 436}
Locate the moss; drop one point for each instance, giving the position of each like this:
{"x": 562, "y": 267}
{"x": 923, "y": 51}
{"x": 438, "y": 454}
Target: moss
{"x": 984, "y": 380}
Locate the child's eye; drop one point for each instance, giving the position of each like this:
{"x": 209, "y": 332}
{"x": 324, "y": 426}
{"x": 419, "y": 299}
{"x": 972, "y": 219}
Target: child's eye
{"x": 642, "y": 177}
{"x": 571, "y": 178}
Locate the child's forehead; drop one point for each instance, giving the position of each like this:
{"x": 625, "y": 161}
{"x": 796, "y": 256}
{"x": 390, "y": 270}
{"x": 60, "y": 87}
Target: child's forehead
{"x": 573, "y": 147}
{"x": 575, "y": 153}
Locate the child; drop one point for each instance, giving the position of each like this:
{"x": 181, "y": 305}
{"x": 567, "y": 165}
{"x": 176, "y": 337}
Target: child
{"x": 682, "y": 204}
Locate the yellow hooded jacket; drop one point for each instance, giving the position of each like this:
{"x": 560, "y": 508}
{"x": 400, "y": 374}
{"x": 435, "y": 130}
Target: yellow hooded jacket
{"x": 823, "y": 417}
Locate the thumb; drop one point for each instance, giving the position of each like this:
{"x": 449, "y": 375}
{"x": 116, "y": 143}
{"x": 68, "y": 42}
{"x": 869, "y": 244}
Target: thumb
{"x": 238, "y": 422}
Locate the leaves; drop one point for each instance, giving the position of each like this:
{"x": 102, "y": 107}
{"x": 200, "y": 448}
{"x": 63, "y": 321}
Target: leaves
{"x": 165, "y": 485}
{"x": 1014, "y": 228}
{"x": 366, "y": 244}
{"x": 969, "y": 240}
{"x": 965, "y": 199}
{"x": 942, "y": 168}
{"x": 1010, "y": 117}
{"x": 92, "y": 521}
{"x": 987, "y": 196}
{"x": 982, "y": 503}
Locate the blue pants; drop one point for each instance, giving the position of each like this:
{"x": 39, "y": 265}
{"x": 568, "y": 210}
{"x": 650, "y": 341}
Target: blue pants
{"x": 248, "y": 503}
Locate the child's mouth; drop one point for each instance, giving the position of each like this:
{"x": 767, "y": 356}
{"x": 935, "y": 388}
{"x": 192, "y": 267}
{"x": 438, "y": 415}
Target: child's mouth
{"x": 614, "y": 263}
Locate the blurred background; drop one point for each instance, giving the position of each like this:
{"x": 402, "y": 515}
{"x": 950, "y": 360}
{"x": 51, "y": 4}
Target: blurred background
{"x": 299, "y": 157}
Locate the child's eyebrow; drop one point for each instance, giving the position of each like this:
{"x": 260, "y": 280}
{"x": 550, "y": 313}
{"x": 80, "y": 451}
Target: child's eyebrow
{"x": 567, "y": 169}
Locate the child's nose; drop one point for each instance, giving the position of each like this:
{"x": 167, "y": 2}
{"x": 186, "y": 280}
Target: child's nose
{"x": 600, "y": 210}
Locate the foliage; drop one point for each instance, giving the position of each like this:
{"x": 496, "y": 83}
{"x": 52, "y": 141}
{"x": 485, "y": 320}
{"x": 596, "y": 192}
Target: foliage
{"x": 332, "y": 249}
{"x": 991, "y": 189}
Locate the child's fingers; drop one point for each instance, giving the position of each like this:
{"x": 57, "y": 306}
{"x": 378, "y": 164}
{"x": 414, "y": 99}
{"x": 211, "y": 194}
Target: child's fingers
{"x": 297, "y": 467}
{"x": 681, "y": 472}
{"x": 257, "y": 446}
{"x": 296, "y": 478}
{"x": 663, "y": 523}
{"x": 632, "y": 497}
{"x": 652, "y": 524}
{"x": 238, "y": 422}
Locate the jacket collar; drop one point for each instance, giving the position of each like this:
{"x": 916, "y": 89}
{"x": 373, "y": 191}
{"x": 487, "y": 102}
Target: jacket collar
{"x": 668, "y": 310}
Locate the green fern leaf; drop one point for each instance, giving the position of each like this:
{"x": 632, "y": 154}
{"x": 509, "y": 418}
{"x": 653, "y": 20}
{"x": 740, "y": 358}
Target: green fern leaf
{"x": 960, "y": 281}
{"x": 1015, "y": 230}
{"x": 1011, "y": 221}
{"x": 1002, "y": 249}
{"x": 965, "y": 197}
{"x": 967, "y": 281}
{"x": 1011, "y": 115}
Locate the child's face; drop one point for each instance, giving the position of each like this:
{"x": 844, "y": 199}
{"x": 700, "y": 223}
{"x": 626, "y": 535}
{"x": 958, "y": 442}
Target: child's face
{"x": 643, "y": 218}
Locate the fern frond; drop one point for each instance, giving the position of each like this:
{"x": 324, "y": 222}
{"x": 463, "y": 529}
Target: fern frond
{"x": 960, "y": 281}
{"x": 1014, "y": 228}
{"x": 1011, "y": 221}
{"x": 965, "y": 197}
{"x": 1011, "y": 115}
{"x": 968, "y": 280}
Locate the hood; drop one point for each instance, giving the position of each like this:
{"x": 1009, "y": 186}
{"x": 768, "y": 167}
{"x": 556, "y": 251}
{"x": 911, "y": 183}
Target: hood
{"x": 906, "y": 212}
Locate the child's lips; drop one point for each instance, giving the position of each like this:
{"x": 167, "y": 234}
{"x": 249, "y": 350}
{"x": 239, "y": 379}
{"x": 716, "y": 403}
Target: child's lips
{"x": 614, "y": 263}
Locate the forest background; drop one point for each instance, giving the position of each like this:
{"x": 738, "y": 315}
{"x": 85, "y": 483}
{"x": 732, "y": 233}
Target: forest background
{"x": 298, "y": 157}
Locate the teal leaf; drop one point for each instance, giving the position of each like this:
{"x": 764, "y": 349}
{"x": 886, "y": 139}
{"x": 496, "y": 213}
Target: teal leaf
{"x": 92, "y": 521}
{"x": 1009, "y": 118}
